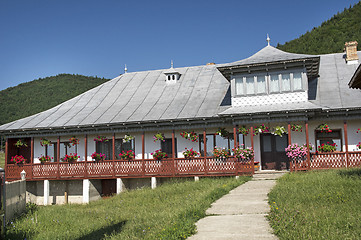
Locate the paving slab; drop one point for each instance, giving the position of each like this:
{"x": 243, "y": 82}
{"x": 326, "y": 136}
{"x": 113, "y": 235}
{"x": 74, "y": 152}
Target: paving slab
{"x": 241, "y": 214}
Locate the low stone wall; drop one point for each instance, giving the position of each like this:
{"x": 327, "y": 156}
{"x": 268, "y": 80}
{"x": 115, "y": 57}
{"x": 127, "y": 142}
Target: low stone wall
{"x": 15, "y": 194}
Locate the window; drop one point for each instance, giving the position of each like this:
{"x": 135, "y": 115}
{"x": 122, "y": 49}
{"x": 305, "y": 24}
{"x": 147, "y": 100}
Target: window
{"x": 166, "y": 147}
{"x": 329, "y": 138}
{"x": 287, "y": 81}
{"x": 123, "y": 146}
{"x": 105, "y": 148}
{"x": 214, "y": 140}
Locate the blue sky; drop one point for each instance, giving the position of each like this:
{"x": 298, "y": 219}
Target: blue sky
{"x": 40, "y": 38}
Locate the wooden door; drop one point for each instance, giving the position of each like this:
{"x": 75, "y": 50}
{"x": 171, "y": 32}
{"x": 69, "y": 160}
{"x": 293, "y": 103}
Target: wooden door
{"x": 166, "y": 147}
{"x": 273, "y": 155}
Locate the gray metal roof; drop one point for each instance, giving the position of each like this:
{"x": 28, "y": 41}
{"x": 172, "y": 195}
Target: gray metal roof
{"x": 201, "y": 92}
{"x": 138, "y": 96}
{"x": 268, "y": 54}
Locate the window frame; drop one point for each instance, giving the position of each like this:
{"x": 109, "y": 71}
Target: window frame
{"x": 330, "y": 138}
{"x": 243, "y": 78}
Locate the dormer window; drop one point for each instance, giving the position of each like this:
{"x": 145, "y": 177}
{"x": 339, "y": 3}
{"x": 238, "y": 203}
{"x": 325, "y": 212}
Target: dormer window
{"x": 172, "y": 76}
{"x": 269, "y": 83}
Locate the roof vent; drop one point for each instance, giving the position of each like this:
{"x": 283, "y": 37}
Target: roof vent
{"x": 351, "y": 52}
{"x": 172, "y": 75}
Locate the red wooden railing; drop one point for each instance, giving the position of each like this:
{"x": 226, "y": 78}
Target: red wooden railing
{"x": 328, "y": 160}
{"x": 137, "y": 168}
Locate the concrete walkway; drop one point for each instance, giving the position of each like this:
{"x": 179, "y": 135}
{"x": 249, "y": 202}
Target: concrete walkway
{"x": 241, "y": 214}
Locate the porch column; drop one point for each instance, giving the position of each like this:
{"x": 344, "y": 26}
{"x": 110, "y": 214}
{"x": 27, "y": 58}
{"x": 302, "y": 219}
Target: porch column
{"x": 173, "y": 153}
{"x": 346, "y": 142}
{"x": 308, "y": 149}
{"x": 205, "y": 151}
{"x": 32, "y": 150}
{"x": 289, "y": 133}
{"x": 252, "y": 144}
{"x": 46, "y": 192}
{"x": 143, "y": 148}
{"x": 58, "y": 155}
{"x": 143, "y": 154}
{"x": 6, "y": 152}
{"x": 113, "y": 154}
{"x": 86, "y": 187}
{"x": 120, "y": 186}
{"x": 153, "y": 182}
{"x": 86, "y": 154}
{"x": 113, "y": 147}
{"x": 205, "y": 143}
{"x": 235, "y": 136}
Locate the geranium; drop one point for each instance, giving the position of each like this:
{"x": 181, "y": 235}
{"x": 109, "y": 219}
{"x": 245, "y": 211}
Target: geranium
{"x": 243, "y": 130}
{"x": 74, "y": 141}
{"x": 98, "y": 156}
{"x": 219, "y": 152}
{"x": 324, "y": 128}
{"x": 358, "y": 145}
{"x": 223, "y": 132}
{"x": 127, "y": 138}
{"x": 20, "y": 143}
{"x": 329, "y": 147}
{"x": 191, "y": 136}
{"x": 158, "y": 136}
{"x": 45, "y": 158}
{"x": 127, "y": 155}
{"x": 190, "y": 153}
{"x": 296, "y": 152}
{"x": 45, "y": 142}
{"x": 72, "y": 157}
{"x": 245, "y": 154}
{"x": 18, "y": 159}
{"x": 260, "y": 129}
{"x": 159, "y": 155}
{"x": 101, "y": 139}
{"x": 296, "y": 128}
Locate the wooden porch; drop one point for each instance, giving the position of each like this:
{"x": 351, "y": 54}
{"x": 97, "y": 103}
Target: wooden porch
{"x": 137, "y": 168}
{"x": 328, "y": 161}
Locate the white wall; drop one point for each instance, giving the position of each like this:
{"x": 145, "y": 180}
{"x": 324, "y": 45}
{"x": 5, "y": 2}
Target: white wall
{"x": 182, "y": 143}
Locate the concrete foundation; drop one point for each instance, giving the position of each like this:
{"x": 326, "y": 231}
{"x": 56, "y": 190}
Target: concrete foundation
{"x": 15, "y": 198}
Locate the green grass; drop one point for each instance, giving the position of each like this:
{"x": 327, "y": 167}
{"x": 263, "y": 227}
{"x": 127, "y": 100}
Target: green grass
{"x": 167, "y": 212}
{"x": 317, "y": 205}
{"x": 2, "y": 159}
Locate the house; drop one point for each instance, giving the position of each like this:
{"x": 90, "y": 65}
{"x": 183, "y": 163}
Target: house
{"x": 200, "y": 107}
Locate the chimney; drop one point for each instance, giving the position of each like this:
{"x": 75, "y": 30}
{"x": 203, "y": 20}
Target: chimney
{"x": 351, "y": 52}
{"x": 210, "y": 63}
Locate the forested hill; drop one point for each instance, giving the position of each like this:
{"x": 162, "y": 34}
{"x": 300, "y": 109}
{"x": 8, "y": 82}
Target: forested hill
{"x": 32, "y": 97}
{"x": 331, "y": 36}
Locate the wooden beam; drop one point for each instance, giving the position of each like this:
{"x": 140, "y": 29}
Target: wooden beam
{"x": 113, "y": 147}
{"x": 6, "y": 152}
{"x": 173, "y": 153}
{"x": 252, "y": 138}
{"x": 346, "y": 143}
{"x": 143, "y": 148}
{"x": 289, "y": 134}
{"x": 205, "y": 143}
{"x": 58, "y": 155}
{"x": 308, "y": 149}
{"x": 86, "y": 147}
{"x": 235, "y": 136}
{"x": 32, "y": 150}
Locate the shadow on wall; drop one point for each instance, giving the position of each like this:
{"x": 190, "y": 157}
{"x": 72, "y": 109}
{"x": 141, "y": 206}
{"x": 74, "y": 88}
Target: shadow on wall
{"x": 312, "y": 89}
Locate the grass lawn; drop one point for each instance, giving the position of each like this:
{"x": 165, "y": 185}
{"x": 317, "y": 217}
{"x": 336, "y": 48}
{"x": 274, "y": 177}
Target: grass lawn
{"x": 167, "y": 212}
{"x": 317, "y": 205}
{"x": 2, "y": 159}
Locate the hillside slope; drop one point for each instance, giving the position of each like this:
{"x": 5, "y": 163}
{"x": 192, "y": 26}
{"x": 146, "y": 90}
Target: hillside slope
{"x": 331, "y": 36}
{"x": 32, "y": 97}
